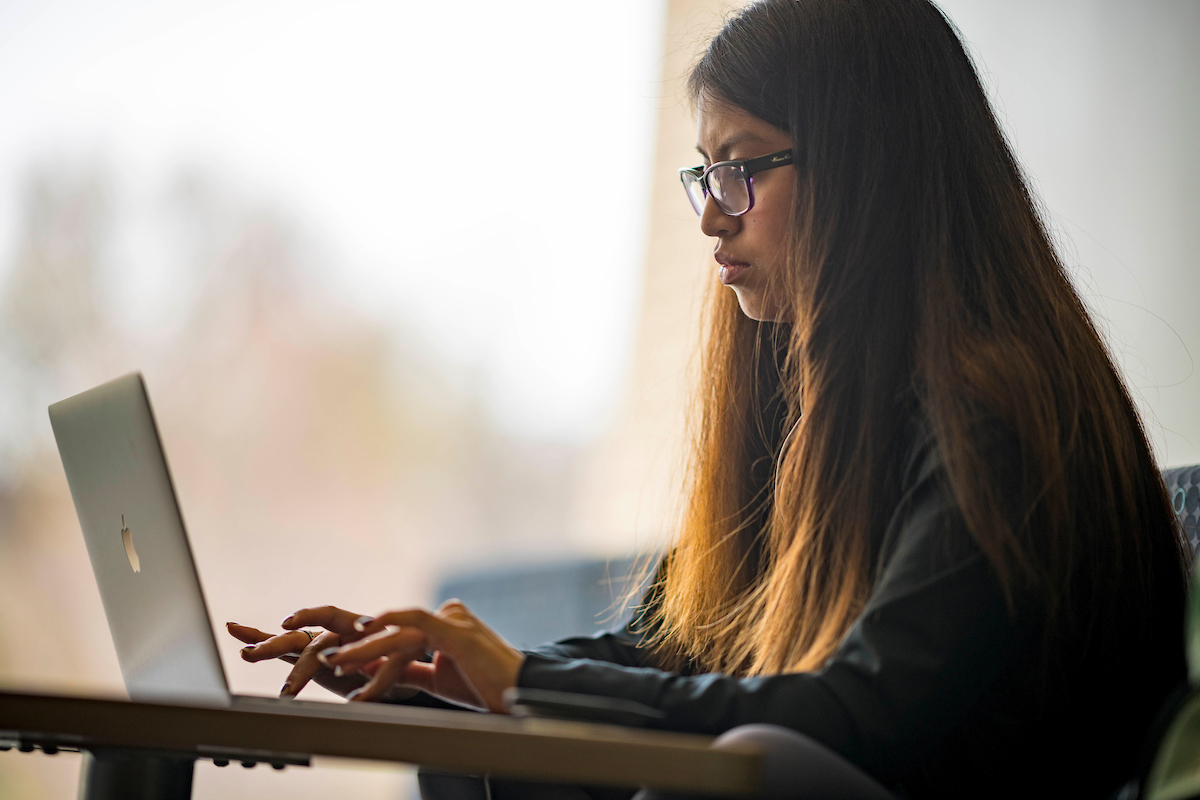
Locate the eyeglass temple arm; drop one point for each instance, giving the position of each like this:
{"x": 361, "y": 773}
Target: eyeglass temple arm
{"x": 780, "y": 159}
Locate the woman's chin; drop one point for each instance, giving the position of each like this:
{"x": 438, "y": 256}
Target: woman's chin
{"x": 753, "y": 305}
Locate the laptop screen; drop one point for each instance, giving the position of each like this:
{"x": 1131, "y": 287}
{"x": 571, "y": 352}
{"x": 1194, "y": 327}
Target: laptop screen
{"x": 135, "y": 537}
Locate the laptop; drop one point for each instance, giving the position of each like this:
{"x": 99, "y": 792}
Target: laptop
{"x": 138, "y": 546}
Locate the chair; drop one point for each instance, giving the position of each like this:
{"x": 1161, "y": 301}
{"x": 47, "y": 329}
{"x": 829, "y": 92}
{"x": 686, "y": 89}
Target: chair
{"x": 1183, "y": 487}
{"x": 1173, "y": 771}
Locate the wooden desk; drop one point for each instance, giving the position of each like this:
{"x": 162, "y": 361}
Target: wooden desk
{"x": 465, "y": 742}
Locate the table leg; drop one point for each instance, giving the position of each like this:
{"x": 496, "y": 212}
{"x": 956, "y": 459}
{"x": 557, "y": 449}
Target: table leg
{"x": 127, "y": 775}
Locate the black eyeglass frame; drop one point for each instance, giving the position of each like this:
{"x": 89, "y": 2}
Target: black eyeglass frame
{"x": 748, "y": 167}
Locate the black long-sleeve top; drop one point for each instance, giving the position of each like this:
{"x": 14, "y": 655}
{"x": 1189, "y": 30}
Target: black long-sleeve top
{"x": 940, "y": 688}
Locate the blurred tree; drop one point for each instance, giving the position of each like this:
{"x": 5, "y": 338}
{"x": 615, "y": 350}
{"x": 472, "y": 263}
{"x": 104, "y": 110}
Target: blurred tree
{"x": 52, "y": 314}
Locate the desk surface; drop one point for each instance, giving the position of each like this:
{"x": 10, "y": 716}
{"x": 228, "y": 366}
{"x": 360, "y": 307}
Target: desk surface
{"x": 457, "y": 741}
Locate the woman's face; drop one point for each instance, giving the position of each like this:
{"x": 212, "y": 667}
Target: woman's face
{"x": 751, "y": 248}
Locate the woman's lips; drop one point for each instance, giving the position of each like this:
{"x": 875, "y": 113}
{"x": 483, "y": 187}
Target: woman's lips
{"x": 731, "y": 271}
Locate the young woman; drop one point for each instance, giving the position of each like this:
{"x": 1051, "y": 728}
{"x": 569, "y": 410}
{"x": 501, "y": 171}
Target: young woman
{"x": 924, "y": 526}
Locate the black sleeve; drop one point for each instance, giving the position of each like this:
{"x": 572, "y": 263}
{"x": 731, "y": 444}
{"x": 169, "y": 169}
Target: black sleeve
{"x": 619, "y": 647}
{"x": 935, "y": 634}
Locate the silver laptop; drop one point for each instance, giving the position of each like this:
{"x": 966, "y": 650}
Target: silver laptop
{"x": 139, "y": 549}
{"x": 135, "y": 537}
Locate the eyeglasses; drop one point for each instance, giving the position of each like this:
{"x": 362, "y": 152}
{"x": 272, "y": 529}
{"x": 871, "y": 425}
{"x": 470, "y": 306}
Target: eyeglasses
{"x": 731, "y": 183}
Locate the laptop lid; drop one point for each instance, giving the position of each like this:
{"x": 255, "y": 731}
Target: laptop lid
{"x": 135, "y": 537}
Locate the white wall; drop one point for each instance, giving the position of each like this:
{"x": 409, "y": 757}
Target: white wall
{"x": 1102, "y": 101}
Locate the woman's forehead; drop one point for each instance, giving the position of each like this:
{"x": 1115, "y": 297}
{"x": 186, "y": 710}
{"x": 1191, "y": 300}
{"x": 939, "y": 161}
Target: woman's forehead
{"x": 722, "y": 126}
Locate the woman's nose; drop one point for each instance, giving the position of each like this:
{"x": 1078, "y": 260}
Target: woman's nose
{"x": 715, "y": 222}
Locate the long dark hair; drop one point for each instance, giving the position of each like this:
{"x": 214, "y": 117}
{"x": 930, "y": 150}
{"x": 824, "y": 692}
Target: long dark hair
{"x": 922, "y": 282}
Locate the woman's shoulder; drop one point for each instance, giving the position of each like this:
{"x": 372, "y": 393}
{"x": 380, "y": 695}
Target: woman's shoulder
{"x": 998, "y": 495}
{"x": 928, "y": 527}
{"x": 923, "y": 455}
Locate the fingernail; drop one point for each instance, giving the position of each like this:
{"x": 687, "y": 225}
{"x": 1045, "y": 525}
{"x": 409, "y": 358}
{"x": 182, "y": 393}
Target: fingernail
{"x": 227, "y": 624}
{"x": 337, "y": 672}
{"x": 326, "y": 654}
{"x": 355, "y": 694}
{"x": 248, "y": 649}
{"x": 362, "y": 622}
{"x": 284, "y": 692}
{"x": 288, "y": 621}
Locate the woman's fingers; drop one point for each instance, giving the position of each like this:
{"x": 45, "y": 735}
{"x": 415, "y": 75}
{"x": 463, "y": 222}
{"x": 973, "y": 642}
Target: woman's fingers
{"x": 246, "y": 634}
{"x": 331, "y": 618}
{"x": 448, "y": 681}
{"x": 405, "y": 644}
{"x": 387, "y": 674}
{"x": 307, "y": 664}
{"x": 480, "y": 665}
{"x": 253, "y": 636}
{"x": 289, "y": 643}
{"x": 432, "y": 624}
{"x": 420, "y": 675}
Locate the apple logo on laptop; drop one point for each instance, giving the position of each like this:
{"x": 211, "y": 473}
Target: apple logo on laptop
{"x": 130, "y": 553}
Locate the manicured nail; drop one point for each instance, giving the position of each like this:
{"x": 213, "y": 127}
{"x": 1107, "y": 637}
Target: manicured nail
{"x": 285, "y": 691}
{"x": 326, "y": 654}
{"x": 362, "y": 622}
{"x": 248, "y": 649}
{"x": 355, "y": 694}
{"x": 227, "y": 624}
{"x": 288, "y": 621}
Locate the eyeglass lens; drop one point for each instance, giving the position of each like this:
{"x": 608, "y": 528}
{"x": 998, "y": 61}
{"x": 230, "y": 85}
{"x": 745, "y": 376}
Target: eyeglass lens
{"x": 695, "y": 190}
{"x": 728, "y": 185}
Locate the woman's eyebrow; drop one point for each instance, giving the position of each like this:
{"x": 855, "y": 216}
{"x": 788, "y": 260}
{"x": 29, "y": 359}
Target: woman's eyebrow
{"x": 722, "y": 151}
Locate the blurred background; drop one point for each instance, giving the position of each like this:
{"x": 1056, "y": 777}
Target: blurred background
{"x": 414, "y": 287}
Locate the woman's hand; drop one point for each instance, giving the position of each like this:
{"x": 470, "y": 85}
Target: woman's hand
{"x": 302, "y": 648}
{"x": 471, "y": 664}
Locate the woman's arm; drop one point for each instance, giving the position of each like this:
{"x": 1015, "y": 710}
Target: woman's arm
{"x": 621, "y": 647}
{"x": 933, "y": 638}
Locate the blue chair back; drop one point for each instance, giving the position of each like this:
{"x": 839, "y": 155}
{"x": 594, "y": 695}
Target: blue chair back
{"x": 1183, "y": 487}
{"x": 530, "y": 604}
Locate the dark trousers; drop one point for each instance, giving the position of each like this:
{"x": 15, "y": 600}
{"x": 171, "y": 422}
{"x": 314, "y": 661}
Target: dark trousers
{"x": 445, "y": 786}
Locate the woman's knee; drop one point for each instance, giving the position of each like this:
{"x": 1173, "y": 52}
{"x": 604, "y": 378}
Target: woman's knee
{"x": 797, "y": 767}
